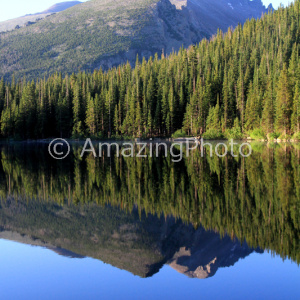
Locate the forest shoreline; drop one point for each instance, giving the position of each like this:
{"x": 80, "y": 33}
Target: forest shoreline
{"x": 147, "y": 140}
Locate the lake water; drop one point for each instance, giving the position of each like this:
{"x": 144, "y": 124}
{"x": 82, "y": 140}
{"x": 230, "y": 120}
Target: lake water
{"x": 149, "y": 228}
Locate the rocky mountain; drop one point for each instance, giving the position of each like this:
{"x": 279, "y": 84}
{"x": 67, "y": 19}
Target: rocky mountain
{"x": 135, "y": 242}
{"x": 105, "y": 33}
{"x": 33, "y": 18}
{"x": 205, "y": 252}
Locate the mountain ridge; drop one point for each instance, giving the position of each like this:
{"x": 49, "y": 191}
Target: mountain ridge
{"x": 102, "y": 34}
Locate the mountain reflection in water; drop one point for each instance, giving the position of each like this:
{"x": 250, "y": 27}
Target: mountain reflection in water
{"x": 197, "y": 216}
{"x": 139, "y": 244}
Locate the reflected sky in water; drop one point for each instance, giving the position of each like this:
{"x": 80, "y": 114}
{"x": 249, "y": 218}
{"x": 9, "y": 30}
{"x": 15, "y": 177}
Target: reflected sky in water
{"x": 29, "y": 272}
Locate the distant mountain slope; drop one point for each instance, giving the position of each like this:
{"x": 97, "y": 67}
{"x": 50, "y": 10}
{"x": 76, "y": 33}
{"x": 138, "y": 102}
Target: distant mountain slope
{"x": 58, "y": 7}
{"x": 104, "y": 33}
{"x": 20, "y": 22}
{"x": 26, "y": 20}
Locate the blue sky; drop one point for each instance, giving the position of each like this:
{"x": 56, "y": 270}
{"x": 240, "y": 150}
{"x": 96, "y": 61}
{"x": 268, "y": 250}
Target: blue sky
{"x": 15, "y": 8}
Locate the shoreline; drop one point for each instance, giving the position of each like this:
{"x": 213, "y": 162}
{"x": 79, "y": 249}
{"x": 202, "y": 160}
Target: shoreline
{"x": 148, "y": 140}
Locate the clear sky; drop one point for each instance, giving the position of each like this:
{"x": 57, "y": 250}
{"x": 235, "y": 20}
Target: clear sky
{"x": 15, "y": 8}
{"x": 11, "y": 9}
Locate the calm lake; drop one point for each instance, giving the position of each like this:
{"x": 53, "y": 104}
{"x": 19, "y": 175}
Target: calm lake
{"x": 149, "y": 228}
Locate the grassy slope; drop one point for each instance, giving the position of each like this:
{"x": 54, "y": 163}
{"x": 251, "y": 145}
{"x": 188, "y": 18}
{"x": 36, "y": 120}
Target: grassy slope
{"x": 75, "y": 38}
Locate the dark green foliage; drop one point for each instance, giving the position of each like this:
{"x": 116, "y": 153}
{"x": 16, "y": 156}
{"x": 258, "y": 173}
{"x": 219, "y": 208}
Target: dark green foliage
{"x": 256, "y": 199}
{"x": 231, "y": 85}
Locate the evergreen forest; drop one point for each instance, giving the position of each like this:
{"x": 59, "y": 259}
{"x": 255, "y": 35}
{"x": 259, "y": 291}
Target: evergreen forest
{"x": 245, "y": 82}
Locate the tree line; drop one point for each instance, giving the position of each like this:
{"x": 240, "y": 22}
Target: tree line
{"x": 242, "y": 82}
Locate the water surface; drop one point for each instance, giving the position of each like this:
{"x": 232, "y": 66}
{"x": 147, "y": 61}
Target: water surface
{"x": 206, "y": 227}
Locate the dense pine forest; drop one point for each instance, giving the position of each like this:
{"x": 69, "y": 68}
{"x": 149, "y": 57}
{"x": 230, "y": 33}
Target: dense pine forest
{"x": 245, "y": 82}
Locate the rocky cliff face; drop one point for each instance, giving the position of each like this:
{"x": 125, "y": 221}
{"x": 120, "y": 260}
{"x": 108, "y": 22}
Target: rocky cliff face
{"x": 181, "y": 23}
{"x": 205, "y": 253}
{"x": 209, "y": 15}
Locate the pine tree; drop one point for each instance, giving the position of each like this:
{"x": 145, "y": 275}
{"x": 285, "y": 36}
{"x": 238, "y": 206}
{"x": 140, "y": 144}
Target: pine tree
{"x": 268, "y": 109}
{"x": 90, "y": 116}
{"x": 252, "y": 117}
{"x": 283, "y": 103}
{"x": 77, "y": 109}
{"x": 296, "y": 110}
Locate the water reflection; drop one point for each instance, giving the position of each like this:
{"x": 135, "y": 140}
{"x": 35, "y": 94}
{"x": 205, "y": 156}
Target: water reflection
{"x": 139, "y": 214}
{"x": 138, "y": 243}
